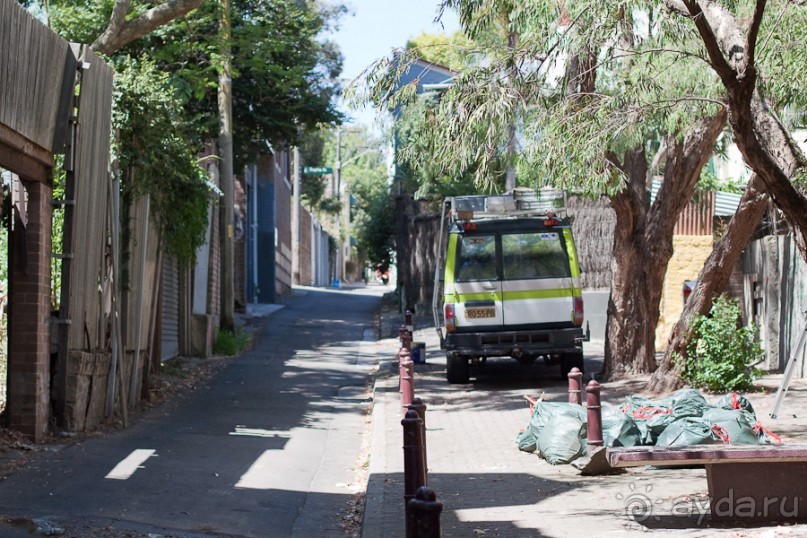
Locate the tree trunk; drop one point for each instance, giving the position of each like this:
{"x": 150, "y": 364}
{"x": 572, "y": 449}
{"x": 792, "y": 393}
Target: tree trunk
{"x": 643, "y": 245}
{"x": 712, "y": 281}
{"x": 764, "y": 142}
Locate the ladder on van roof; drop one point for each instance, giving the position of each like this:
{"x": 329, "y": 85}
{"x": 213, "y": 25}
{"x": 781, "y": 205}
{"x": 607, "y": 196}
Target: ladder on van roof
{"x": 520, "y": 202}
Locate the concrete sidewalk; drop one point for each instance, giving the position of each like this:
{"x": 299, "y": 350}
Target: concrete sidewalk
{"x": 490, "y": 488}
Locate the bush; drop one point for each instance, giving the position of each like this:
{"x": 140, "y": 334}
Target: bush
{"x": 722, "y": 354}
{"x": 230, "y": 342}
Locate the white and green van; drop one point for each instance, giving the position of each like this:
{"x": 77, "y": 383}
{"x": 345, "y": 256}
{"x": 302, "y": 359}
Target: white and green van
{"x": 511, "y": 285}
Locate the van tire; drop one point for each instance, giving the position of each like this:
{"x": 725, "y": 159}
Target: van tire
{"x": 569, "y": 361}
{"x": 457, "y": 369}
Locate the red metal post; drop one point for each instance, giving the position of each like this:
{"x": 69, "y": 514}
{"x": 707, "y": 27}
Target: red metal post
{"x": 406, "y": 340}
{"x": 408, "y": 321}
{"x": 576, "y": 386}
{"x": 424, "y": 511}
{"x": 419, "y": 407}
{"x": 407, "y": 369}
{"x": 594, "y": 406}
{"x": 414, "y": 471}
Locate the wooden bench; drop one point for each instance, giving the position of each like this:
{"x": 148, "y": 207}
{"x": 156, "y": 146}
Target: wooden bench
{"x": 747, "y": 483}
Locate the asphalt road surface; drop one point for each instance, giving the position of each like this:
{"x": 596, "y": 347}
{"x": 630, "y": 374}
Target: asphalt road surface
{"x": 269, "y": 447}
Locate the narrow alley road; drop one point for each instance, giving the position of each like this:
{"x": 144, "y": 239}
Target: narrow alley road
{"x": 269, "y": 447}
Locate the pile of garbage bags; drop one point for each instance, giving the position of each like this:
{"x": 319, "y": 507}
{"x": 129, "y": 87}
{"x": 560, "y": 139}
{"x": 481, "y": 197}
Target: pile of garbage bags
{"x": 557, "y": 430}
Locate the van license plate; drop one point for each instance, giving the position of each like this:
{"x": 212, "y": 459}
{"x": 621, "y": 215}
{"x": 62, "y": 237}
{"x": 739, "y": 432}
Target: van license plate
{"x": 476, "y": 313}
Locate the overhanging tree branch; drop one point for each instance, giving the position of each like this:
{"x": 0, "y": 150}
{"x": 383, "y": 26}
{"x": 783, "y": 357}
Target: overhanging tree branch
{"x": 719, "y": 62}
{"x": 753, "y": 34}
{"x": 120, "y": 32}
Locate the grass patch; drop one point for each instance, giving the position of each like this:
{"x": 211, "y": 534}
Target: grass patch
{"x": 231, "y": 342}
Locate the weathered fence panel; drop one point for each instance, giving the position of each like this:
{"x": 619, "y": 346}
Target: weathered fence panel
{"x": 776, "y": 297}
{"x": 37, "y": 76}
{"x": 90, "y": 224}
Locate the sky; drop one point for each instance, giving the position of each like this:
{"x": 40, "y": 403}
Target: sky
{"x": 376, "y": 27}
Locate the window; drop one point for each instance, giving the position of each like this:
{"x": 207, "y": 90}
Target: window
{"x": 534, "y": 255}
{"x": 477, "y": 258}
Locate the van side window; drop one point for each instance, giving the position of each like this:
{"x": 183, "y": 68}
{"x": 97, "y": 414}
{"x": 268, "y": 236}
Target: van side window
{"x": 534, "y": 255}
{"x": 477, "y": 258}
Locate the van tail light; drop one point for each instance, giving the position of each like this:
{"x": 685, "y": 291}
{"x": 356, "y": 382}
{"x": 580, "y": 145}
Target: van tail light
{"x": 450, "y": 321}
{"x": 578, "y": 312}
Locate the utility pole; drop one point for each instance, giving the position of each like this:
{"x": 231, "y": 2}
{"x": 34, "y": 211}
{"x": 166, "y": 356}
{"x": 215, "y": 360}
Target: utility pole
{"x": 225, "y": 98}
{"x": 295, "y": 221}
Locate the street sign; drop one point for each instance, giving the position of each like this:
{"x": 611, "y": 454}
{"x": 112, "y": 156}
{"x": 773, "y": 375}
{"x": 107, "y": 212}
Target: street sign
{"x": 317, "y": 170}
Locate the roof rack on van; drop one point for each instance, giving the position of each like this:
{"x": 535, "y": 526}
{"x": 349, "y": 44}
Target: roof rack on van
{"x": 520, "y": 202}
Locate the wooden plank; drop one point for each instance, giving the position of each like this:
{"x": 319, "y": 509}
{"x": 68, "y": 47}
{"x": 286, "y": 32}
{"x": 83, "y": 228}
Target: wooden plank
{"x": 32, "y": 69}
{"x": 704, "y": 454}
{"x": 91, "y": 178}
{"x": 5, "y": 59}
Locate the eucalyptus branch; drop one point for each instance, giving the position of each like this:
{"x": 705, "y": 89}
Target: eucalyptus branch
{"x": 677, "y": 52}
{"x": 719, "y": 63}
{"x": 753, "y": 34}
{"x": 670, "y": 103}
{"x": 776, "y": 23}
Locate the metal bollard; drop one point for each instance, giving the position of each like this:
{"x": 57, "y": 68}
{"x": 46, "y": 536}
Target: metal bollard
{"x": 414, "y": 470}
{"x": 594, "y": 426}
{"x": 576, "y": 386}
{"x": 407, "y": 372}
{"x": 408, "y": 321}
{"x": 406, "y": 340}
{"x": 419, "y": 407}
{"x": 424, "y": 511}
{"x": 401, "y": 332}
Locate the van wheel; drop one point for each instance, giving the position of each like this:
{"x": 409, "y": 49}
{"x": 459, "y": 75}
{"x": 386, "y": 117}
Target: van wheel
{"x": 569, "y": 361}
{"x": 457, "y": 369}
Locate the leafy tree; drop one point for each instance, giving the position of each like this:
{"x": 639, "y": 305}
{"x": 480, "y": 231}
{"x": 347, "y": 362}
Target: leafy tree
{"x": 605, "y": 99}
{"x": 450, "y": 51}
{"x": 159, "y": 156}
{"x": 285, "y": 76}
{"x": 760, "y": 83}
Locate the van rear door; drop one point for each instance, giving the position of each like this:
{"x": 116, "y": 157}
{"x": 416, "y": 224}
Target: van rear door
{"x": 537, "y": 288}
{"x": 473, "y": 285}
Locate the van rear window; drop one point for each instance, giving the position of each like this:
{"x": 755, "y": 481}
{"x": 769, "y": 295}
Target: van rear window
{"x": 534, "y": 255}
{"x": 477, "y": 258}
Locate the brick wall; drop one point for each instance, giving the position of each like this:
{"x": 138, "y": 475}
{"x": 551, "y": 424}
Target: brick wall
{"x": 282, "y": 224}
{"x": 29, "y": 316}
{"x": 689, "y": 254}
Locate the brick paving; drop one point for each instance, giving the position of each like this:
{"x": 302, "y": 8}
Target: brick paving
{"x": 490, "y": 488}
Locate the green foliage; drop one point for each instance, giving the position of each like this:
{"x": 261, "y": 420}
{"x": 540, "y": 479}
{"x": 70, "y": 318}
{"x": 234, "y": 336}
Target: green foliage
{"x": 447, "y": 50}
{"x": 285, "y": 74}
{"x": 57, "y": 232}
{"x": 429, "y": 178}
{"x": 154, "y": 145}
{"x": 722, "y": 355}
{"x": 708, "y": 182}
{"x": 231, "y": 342}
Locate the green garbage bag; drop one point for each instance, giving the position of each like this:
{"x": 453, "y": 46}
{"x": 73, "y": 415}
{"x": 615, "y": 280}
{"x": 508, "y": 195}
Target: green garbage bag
{"x": 652, "y": 417}
{"x": 563, "y": 437}
{"x": 736, "y": 401}
{"x": 542, "y": 411}
{"x": 687, "y": 431}
{"x": 619, "y": 429}
{"x": 642, "y": 411}
{"x": 734, "y": 426}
